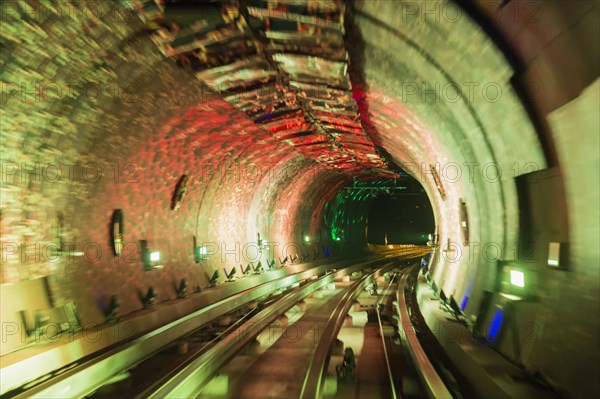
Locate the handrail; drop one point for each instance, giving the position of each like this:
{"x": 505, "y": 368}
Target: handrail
{"x": 433, "y": 383}
{"x": 189, "y": 378}
{"x": 312, "y": 387}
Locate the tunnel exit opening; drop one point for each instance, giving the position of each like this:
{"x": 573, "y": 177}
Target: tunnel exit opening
{"x": 400, "y": 218}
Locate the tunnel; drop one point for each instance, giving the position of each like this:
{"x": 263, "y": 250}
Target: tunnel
{"x": 151, "y": 144}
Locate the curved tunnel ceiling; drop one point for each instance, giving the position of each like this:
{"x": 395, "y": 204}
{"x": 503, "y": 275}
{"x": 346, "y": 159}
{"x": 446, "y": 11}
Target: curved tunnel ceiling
{"x": 271, "y": 111}
{"x": 284, "y": 66}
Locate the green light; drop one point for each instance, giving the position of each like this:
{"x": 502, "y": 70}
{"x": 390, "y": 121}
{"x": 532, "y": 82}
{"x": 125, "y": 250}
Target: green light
{"x": 517, "y": 278}
{"x": 306, "y": 238}
{"x": 338, "y": 239}
{"x": 154, "y": 256}
{"x": 202, "y": 251}
{"x": 218, "y": 386}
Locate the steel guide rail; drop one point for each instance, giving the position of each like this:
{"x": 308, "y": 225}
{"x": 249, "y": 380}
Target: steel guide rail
{"x": 432, "y": 382}
{"x": 87, "y": 375}
{"x": 189, "y": 379}
{"x": 386, "y": 350}
{"x": 313, "y": 383}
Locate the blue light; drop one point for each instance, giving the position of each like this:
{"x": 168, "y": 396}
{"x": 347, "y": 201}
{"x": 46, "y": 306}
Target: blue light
{"x": 463, "y": 305}
{"x": 496, "y": 324}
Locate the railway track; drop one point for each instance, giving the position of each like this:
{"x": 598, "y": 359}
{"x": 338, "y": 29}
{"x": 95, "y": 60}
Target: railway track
{"x": 189, "y": 379}
{"x": 164, "y": 364}
{"x": 119, "y": 354}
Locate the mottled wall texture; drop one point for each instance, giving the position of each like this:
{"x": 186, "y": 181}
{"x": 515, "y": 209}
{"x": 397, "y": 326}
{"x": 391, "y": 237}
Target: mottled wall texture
{"x": 94, "y": 118}
{"x": 440, "y": 92}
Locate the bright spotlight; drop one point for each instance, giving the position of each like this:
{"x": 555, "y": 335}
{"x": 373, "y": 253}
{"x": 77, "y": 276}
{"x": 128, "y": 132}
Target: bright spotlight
{"x": 517, "y": 278}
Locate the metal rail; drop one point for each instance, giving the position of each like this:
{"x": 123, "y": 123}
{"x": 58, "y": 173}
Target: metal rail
{"x": 432, "y": 382}
{"x": 119, "y": 354}
{"x": 313, "y": 382}
{"x": 395, "y": 394}
{"x": 189, "y": 378}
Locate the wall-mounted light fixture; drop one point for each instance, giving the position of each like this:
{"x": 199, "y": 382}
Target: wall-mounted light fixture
{"x": 262, "y": 246}
{"x": 116, "y": 232}
{"x": 438, "y": 182}
{"x": 515, "y": 281}
{"x": 517, "y": 278}
{"x": 59, "y": 231}
{"x": 464, "y": 221}
{"x": 200, "y": 251}
{"x": 180, "y": 192}
{"x": 150, "y": 258}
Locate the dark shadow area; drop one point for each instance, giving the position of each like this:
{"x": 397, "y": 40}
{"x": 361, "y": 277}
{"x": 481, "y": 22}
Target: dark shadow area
{"x": 400, "y": 219}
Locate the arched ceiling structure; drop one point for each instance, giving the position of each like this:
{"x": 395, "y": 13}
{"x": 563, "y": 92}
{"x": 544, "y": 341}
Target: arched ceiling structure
{"x": 271, "y": 110}
{"x": 284, "y": 65}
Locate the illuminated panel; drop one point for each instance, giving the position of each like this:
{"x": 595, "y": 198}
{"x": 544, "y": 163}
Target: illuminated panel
{"x": 464, "y": 302}
{"x": 517, "y": 278}
{"x": 495, "y": 324}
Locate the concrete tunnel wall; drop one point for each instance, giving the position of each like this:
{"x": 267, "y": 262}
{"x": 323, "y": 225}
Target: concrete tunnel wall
{"x": 136, "y": 127}
{"x": 412, "y": 55}
{"x": 133, "y": 108}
